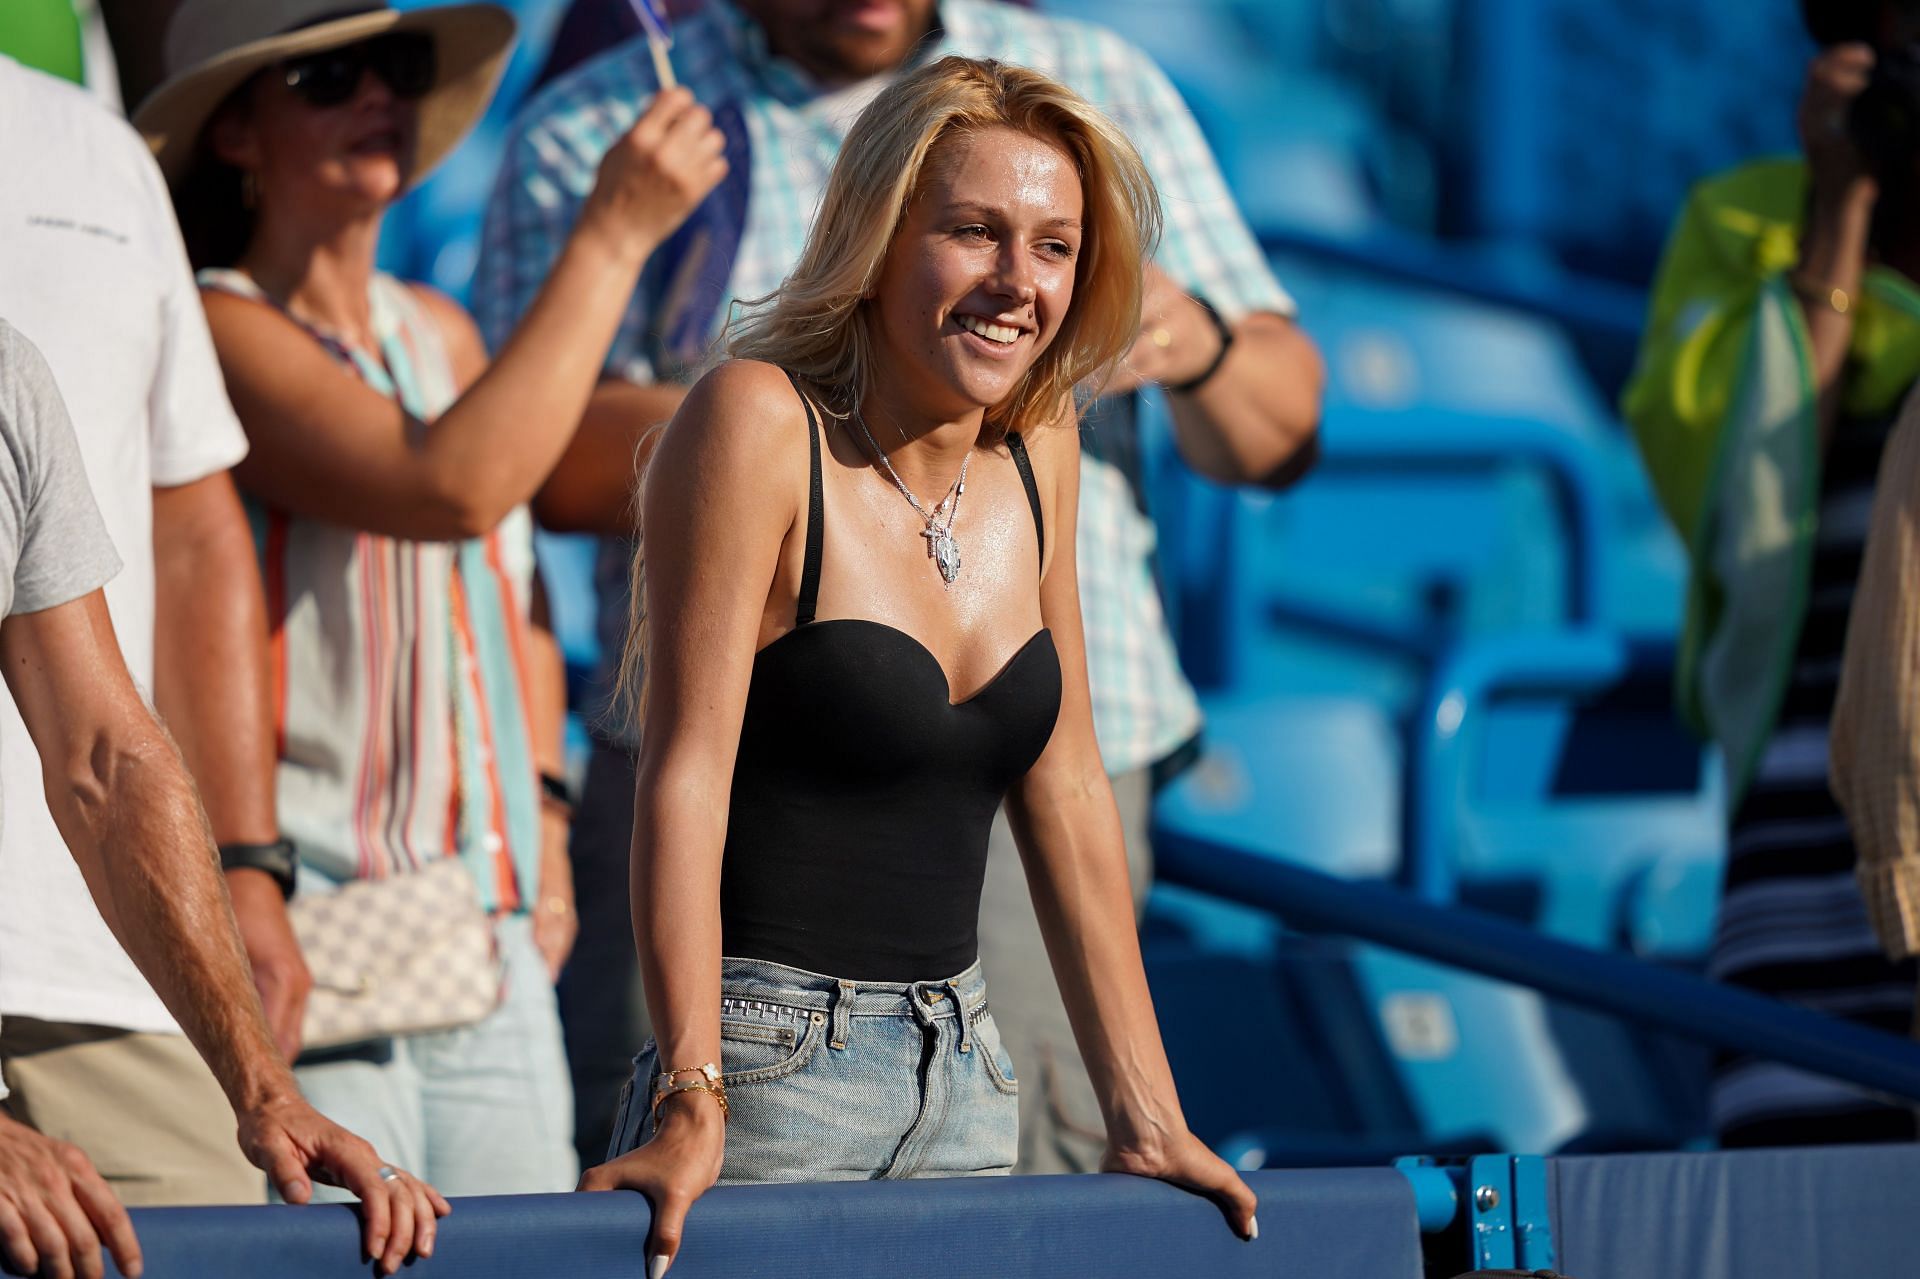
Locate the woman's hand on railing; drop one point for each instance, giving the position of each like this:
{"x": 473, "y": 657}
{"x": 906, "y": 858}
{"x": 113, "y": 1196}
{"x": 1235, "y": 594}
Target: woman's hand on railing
{"x": 672, "y": 1170}
{"x": 1183, "y": 1160}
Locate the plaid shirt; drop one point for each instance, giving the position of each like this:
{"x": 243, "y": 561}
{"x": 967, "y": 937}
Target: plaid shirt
{"x": 1143, "y": 706}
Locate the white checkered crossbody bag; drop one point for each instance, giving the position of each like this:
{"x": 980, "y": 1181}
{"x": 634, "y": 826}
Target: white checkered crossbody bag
{"x": 397, "y": 956}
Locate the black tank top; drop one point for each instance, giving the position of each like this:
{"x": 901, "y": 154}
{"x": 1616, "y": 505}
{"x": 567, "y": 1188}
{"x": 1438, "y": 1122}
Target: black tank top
{"x": 862, "y": 797}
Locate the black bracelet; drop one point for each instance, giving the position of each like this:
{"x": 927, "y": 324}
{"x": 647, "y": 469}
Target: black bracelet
{"x": 554, "y": 790}
{"x": 1226, "y": 342}
{"x": 280, "y": 859}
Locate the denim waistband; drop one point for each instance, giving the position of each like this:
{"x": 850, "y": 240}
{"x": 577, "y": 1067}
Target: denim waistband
{"x": 760, "y": 981}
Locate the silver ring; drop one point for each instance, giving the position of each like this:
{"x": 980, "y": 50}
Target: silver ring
{"x": 389, "y": 1173}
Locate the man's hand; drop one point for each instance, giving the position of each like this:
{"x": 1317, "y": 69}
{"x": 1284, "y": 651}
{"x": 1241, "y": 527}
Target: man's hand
{"x": 555, "y": 921}
{"x": 295, "y": 1145}
{"x": 56, "y": 1210}
{"x": 1177, "y": 338}
{"x": 279, "y": 970}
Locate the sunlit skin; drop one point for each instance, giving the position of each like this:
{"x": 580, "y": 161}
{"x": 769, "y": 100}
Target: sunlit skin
{"x": 841, "y": 41}
{"x": 324, "y": 173}
{"x": 1256, "y": 422}
{"x": 992, "y": 239}
{"x": 356, "y": 156}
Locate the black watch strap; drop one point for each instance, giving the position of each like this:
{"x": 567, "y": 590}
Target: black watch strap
{"x": 279, "y": 859}
{"x": 554, "y": 790}
{"x": 1220, "y": 356}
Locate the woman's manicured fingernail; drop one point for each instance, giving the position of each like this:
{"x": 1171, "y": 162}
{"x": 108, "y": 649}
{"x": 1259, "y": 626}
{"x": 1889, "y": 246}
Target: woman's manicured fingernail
{"x": 658, "y": 1266}
{"x": 1253, "y": 1229}
{"x": 376, "y": 1249}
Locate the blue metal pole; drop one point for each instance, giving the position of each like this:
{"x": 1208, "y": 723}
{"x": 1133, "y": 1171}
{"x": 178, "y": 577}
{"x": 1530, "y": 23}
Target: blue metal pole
{"x": 1650, "y": 996}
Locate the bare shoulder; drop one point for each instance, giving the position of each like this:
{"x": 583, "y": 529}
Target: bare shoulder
{"x": 742, "y": 426}
{"x": 465, "y": 347}
{"x": 253, "y": 338}
{"x": 1054, "y": 450}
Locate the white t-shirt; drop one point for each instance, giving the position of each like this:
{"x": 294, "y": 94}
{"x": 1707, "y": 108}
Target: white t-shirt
{"x": 93, "y": 270}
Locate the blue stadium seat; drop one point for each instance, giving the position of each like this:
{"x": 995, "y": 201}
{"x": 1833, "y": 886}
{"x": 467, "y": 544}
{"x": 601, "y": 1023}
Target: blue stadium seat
{"x": 1313, "y": 780}
{"x": 1553, "y": 779}
{"x": 1298, "y": 147}
{"x": 1581, "y": 125}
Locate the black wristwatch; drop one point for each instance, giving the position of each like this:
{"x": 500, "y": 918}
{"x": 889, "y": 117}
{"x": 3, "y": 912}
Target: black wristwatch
{"x": 279, "y": 859}
{"x": 1226, "y": 344}
{"x": 555, "y": 792}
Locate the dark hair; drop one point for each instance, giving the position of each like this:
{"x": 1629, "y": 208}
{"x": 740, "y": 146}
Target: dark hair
{"x": 210, "y": 198}
{"x": 1847, "y": 21}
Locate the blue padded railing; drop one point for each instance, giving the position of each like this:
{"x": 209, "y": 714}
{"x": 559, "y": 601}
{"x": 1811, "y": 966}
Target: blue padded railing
{"x": 1651, "y": 996}
{"x": 1331, "y": 1224}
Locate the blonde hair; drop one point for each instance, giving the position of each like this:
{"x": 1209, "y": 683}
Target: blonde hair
{"x": 816, "y": 325}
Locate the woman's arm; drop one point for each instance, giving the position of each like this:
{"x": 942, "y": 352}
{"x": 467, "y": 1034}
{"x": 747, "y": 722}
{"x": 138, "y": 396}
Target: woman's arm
{"x": 556, "y": 921}
{"x": 328, "y": 447}
{"x": 725, "y": 490}
{"x": 1068, "y": 830}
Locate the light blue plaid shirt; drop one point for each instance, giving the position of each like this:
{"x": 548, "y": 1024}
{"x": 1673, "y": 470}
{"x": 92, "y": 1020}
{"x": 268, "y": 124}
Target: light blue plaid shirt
{"x": 1143, "y": 707}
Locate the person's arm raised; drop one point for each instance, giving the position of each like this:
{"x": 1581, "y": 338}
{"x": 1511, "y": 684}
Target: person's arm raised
{"x": 326, "y": 446}
{"x": 725, "y": 491}
{"x": 1070, "y": 840}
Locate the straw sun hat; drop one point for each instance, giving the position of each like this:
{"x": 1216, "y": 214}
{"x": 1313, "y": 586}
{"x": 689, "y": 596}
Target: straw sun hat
{"x": 213, "y": 46}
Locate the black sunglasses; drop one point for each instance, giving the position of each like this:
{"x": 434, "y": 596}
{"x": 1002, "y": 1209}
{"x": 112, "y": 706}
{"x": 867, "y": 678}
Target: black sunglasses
{"x": 404, "y": 61}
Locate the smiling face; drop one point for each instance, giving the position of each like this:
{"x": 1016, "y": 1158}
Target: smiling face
{"x": 353, "y": 156}
{"x": 981, "y": 273}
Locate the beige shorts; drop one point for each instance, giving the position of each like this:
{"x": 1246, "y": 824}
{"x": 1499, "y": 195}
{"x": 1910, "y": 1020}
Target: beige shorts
{"x": 143, "y": 1107}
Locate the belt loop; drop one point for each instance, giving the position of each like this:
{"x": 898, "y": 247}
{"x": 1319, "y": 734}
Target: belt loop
{"x": 964, "y": 1017}
{"x": 842, "y": 1016}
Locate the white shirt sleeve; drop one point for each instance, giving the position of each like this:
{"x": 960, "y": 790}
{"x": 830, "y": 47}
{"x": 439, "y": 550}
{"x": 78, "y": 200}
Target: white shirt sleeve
{"x": 195, "y": 431}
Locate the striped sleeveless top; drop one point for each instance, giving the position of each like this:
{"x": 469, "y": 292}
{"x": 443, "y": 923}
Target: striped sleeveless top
{"x": 401, "y": 723}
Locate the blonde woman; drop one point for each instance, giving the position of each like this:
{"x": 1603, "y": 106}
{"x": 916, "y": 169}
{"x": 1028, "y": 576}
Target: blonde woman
{"x": 861, "y": 632}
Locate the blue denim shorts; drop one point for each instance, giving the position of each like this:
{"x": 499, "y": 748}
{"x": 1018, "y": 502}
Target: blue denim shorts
{"x": 834, "y": 1080}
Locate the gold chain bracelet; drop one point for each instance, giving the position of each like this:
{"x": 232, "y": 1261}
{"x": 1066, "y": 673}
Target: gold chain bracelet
{"x": 706, "y": 1070}
{"x": 716, "y": 1091}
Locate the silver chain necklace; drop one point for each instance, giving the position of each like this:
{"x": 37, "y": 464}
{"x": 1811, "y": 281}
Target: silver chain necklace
{"x": 941, "y": 546}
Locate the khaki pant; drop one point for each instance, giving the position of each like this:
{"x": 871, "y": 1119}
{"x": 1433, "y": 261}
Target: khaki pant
{"x": 143, "y": 1107}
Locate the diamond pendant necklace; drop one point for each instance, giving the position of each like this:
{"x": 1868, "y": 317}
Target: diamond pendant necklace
{"x": 941, "y": 546}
